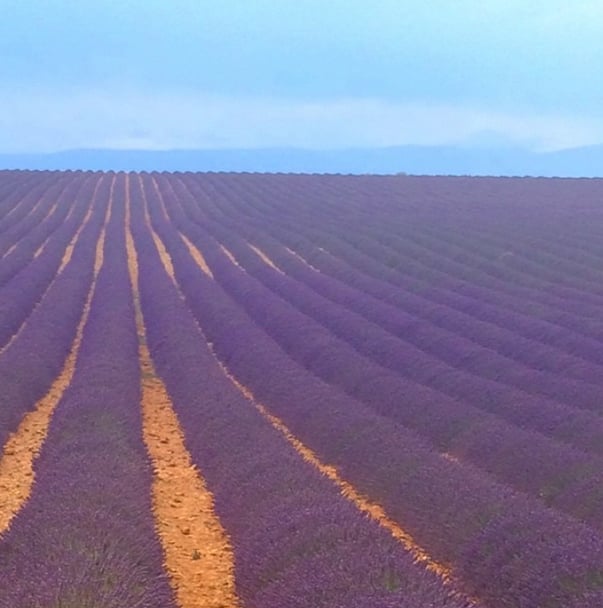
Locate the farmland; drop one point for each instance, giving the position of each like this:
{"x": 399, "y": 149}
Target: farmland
{"x": 300, "y": 391}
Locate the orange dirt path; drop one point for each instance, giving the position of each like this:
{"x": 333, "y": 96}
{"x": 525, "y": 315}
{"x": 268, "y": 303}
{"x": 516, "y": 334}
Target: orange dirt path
{"x": 231, "y": 257}
{"x": 195, "y": 253}
{"x": 50, "y": 213}
{"x": 265, "y": 258}
{"x": 160, "y": 197}
{"x": 9, "y": 250}
{"x": 24, "y": 445}
{"x": 299, "y": 257}
{"x": 197, "y": 256}
{"x": 198, "y": 555}
{"x": 69, "y": 249}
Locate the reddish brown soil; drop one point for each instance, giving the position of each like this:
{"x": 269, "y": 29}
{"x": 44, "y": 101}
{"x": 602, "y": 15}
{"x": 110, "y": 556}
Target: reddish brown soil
{"x": 299, "y": 257}
{"x": 264, "y": 257}
{"x": 230, "y": 256}
{"x": 198, "y": 556}
{"x": 198, "y": 257}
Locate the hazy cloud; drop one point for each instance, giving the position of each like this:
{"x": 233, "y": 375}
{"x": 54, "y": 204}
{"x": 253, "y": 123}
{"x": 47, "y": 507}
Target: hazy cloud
{"x": 47, "y": 120}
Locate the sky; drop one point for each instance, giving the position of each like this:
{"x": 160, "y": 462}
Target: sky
{"x": 166, "y": 74}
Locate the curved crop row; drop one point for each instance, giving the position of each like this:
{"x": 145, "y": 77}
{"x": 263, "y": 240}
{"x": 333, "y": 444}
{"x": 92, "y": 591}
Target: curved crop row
{"x": 549, "y": 321}
{"x": 431, "y": 360}
{"x": 525, "y": 460}
{"x": 494, "y": 539}
{"x": 296, "y": 540}
{"x": 422, "y": 299}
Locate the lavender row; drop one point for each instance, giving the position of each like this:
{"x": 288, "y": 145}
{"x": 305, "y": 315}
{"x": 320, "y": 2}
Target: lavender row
{"x": 86, "y": 536}
{"x": 12, "y": 187}
{"x": 508, "y": 548}
{"x": 296, "y": 540}
{"x": 20, "y": 200}
{"x": 404, "y": 207}
{"x": 32, "y": 362}
{"x": 564, "y": 423}
{"x": 545, "y": 309}
{"x": 28, "y": 244}
{"x": 455, "y": 380}
{"x": 571, "y": 321}
{"x": 538, "y": 259}
{"x": 9, "y": 182}
{"x": 451, "y": 311}
{"x": 20, "y": 295}
{"x": 37, "y": 205}
{"x": 548, "y": 347}
{"x": 462, "y": 356}
{"x": 459, "y": 290}
{"x": 533, "y": 258}
{"x": 525, "y": 460}
{"x": 421, "y": 238}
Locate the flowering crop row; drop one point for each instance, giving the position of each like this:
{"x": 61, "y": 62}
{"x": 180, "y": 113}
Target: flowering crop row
{"x": 19, "y": 296}
{"x": 38, "y": 203}
{"x": 386, "y": 390}
{"x": 86, "y": 537}
{"x": 457, "y": 513}
{"x": 31, "y": 363}
{"x": 563, "y": 477}
{"x": 296, "y": 540}
{"x": 19, "y": 203}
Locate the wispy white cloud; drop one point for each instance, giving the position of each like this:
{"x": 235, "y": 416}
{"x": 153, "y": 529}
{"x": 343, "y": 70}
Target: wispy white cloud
{"x": 35, "y": 121}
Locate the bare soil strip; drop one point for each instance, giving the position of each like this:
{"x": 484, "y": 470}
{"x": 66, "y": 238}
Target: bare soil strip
{"x": 231, "y": 257}
{"x": 69, "y": 249}
{"x": 363, "y": 503}
{"x": 265, "y": 258}
{"x": 299, "y": 257}
{"x": 198, "y": 556}
{"x": 196, "y": 255}
{"x": 160, "y": 197}
{"x": 50, "y": 213}
{"x": 9, "y": 250}
{"x": 22, "y": 448}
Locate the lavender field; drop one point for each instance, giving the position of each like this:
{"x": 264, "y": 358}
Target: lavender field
{"x": 300, "y": 391}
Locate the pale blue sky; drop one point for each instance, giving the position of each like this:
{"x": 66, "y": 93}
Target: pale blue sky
{"x": 312, "y": 73}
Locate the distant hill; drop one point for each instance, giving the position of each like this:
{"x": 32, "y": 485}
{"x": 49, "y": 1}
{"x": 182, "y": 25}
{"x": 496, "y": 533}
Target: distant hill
{"x": 423, "y": 160}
